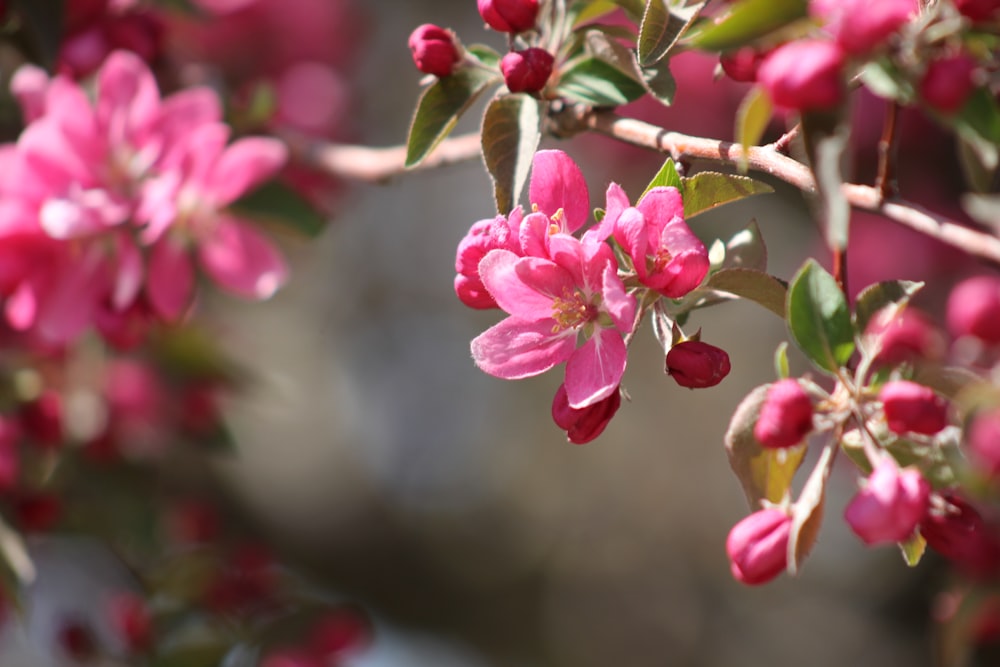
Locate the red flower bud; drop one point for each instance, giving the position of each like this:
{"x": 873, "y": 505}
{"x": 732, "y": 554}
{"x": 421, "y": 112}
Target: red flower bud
{"x": 695, "y": 364}
{"x": 905, "y": 336}
{"x": 913, "y": 408}
{"x": 974, "y": 309}
{"x": 434, "y": 50}
{"x": 742, "y": 64}
{"x": 786, "y": 416}
{"x": 890, "y": 505}
{"x": 338, "y": 632}
{"x": 947, "y": 83}
{"x": 509, "y": 15}
{"x": 958, "y": 532}
{"x": 76, "y": 640}
{"x": 984, "y": 442}
{"x": 978, "y": 10}
{"x": 41, "y": 419}
{"x": 131, "y": 620}
{"x": 758, "y": 546}
{"x": 527, "y": 71}
{"x": 804, "y": 75}
{"x": 584, "y": 424}
{"x": 860, "y": 26}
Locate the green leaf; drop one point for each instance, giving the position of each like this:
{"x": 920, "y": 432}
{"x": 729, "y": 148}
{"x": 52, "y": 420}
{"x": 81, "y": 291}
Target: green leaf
{"x": 634, "y": 8}
{"x": 781, "y": 361}
{"x": 660, "y": 83}
{"x": 746, "y": 249}
{"x": 883, "y": 78}
{"x": 752, "y": 118}
{"x": 765, "y": 474}
{"x": 756, "y": 286}
{"x": 978, "y": 123}
{"x": 667, "y": 176}
{"x": 488, "y": 56}
{"x": 819, "y": 319}
{"x": 709, "y": 189}
{"x": 913, "y": 549}
{"x": 807, "y": 511}
{"x": 583, "y": 11}
{"x": 661, "y": 27}
{"x": 597, "y": 83}
{"x": 880, "y": 295}
{"x": 281, "y": 204}
{"x": 440, "y": 107}
{"x": 510, "y": 135}
{"x": 746, "y": 21}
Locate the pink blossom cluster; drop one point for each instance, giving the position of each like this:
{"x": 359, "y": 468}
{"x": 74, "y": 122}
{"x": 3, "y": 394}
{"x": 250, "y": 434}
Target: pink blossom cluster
{"x": 114, "y": 200}
{"x": 570, "y": 298}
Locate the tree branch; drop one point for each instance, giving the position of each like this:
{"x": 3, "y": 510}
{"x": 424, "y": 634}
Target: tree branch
{"x": 380, "y": 164}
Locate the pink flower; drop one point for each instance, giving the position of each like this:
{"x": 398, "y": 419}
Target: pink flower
{"x": 584, "y": 424}
{"x": 948, "y": 82}
{"x": 696, "y": 364}
{"x": 974, "y": 309}
{"x": 559, "y": 193}
{"x": 890, "y": 505}
{"x": 666, "y": 254}
{"x": 509, "y": 15}
{"x": 527, "y": 71}
{"x": 758, "y": 546}
{"x": 860, "y": 26}
{"x": 913, "y": 408}
{"x": 786, "y": 416}
{"x": 804, "y": 75}
{"x": 984, "y": 442}
{"x": 552, "y": 303}
{"x": 434, "y": 50}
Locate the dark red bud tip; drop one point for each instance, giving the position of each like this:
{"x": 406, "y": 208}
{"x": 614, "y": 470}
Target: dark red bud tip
{"x": 584, "y": 424}
{"x": 511, "y": 16}
{"x": 786, "y": 416}
{"x": 697, "y": 365}
{"x": 527, "y": 71}
{"x": 434, "y": 50}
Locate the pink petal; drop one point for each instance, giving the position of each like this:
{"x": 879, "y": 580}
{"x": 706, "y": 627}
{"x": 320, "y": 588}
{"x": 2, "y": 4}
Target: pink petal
{"x": 616, "y": 302}
{"x": 631, "y": 232}
{"x": 128, "y": 282}
{"x": 242, "y": 260}
{"x": 514, "y": 349}
{"x": 533, "y": 235}
{"x": 21, "y": 308}
{"x": 128, "y": 99}
{"x": 557, "y": 183}
{"x": 660, "y": 206}
{"x": 616, "y": 204}
{"x": 29, "y": 85}
{"x": 499, "y": 273}
{"x": 595, "y": 370}
{"x": 244, "y": 165}
{"x": 170, "y": 285}
{"x": 179, "y": 115}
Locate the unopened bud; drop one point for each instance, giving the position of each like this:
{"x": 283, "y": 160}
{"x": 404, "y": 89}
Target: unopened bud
{"x": 861, "y": 26}
{"x": 890, "y": 505}
{"x": 913, "y": 408}
{"x": 804, "y": 75}
{"x": 742, "y": 64}
{"x": 527, "y": 71}
{"x": 131, "y": 620}
{"x": 978, "y": 10}
{"x": 695, "y": 364}
{"x": 786, "y": 416}
{"x": 906, "y": 336}
{"x": 974, "y": 309}
{"x": 984, "y": 442}
{"x": 584, "y": 424}
{"x": 434, "y": 50}
{"x": 957, "y": 531}
{"x": 509, "y": 15}
{"x": 758, "y": 546}
{"x": 947, "y": 83}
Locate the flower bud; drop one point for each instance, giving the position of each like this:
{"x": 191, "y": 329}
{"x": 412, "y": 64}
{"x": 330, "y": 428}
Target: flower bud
{"x": 338, "y": 632}
{"x": 913, "y": 408}
{"x": 527, "y": 71}
{"x": 978, "y": 10}
{"x": 584, "y": 424}
{"x": 983, "y": 437}
{"x": 905, "y": 336}
{"x": 890, "y": 505}
{"x": 434, "y": 50}
{"x": 974, "y": 309}
{"x": 483, "y": 236}
{"x": 758, "y": 546}
{"x": 947, "y": 83}
{"x": 509, "y": 15}
{"x": 742, "y": 64}
{"x": 132, "y": 622}
{"x": 804, "y": 75}
{"x": 957, "y": 531}
{"x": 786, "y": 416}
{"x": 860, "y": 26}
{"x": 694, "y": 364}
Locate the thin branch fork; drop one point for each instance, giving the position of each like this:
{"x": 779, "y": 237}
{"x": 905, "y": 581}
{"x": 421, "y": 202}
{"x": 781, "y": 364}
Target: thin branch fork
{"x": 379, "y": 164}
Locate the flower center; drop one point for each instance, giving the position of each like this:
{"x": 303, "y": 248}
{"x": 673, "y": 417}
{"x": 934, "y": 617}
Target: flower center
{"x": 661, "y": 259}
{"x": 571, "y": 310}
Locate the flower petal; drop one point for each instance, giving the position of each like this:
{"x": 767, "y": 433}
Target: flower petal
{"x": 170, "y": 285}
{"x": 499, "y": 272}
{"x": 244, "y": 165}
{"x": 595, "y": 370}
{"x": 660, "y": 206}
{"x": 557, "y": 183}
{"x": 242, "y": 260}
{"x": 617, "y": 302}
{"x": 514, "y": 349}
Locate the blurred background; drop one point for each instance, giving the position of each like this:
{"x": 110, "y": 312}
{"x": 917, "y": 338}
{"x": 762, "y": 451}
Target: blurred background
{"x": 375, "y": 456}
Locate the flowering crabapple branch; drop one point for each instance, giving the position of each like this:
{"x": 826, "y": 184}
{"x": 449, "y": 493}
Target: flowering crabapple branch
{"x": 376, "y": 165}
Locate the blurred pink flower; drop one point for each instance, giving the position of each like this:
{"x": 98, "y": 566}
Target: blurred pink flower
{"x": 890, "y": 505}
{"x": 860, "y": 26}
{"x": 804, "y": 75}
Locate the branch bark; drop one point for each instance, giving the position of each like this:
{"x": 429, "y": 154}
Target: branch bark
{"x": 380, "y": 164}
